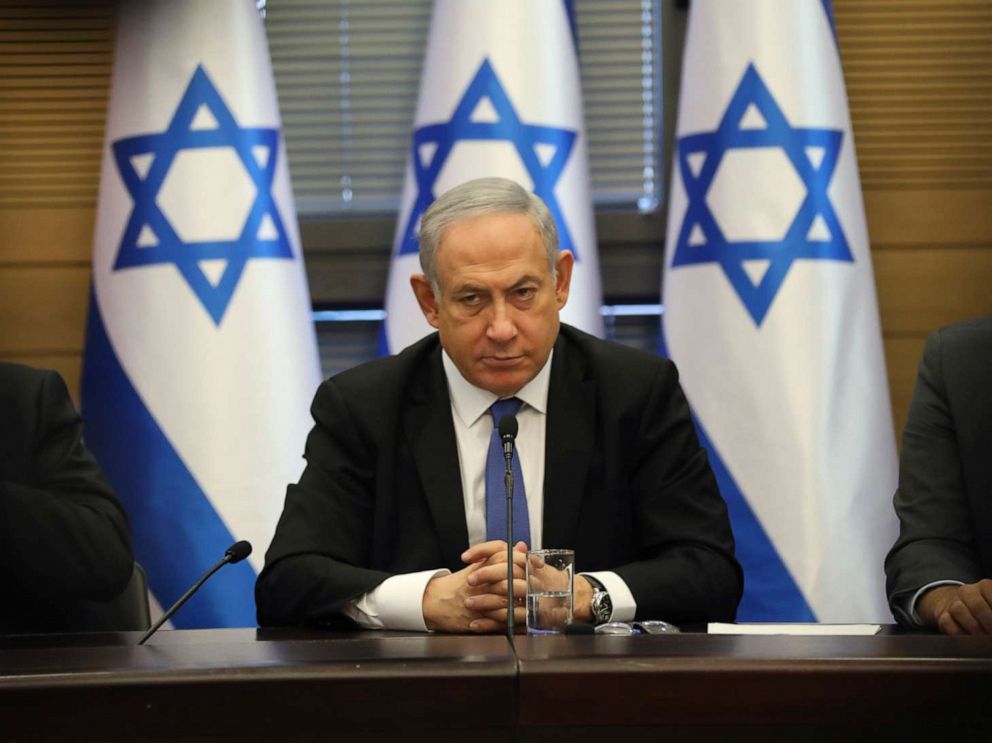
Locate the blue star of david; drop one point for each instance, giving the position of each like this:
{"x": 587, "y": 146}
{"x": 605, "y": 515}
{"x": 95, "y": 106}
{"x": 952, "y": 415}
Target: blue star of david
{"x": 700, "y": 239}
{"x": 150, "y": 239}
{"x": 507, "y": 127}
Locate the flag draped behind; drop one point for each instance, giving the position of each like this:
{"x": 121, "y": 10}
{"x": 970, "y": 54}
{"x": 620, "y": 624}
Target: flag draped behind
{"x": 770, "y": 309}
{"x": 201, "y": 357}
{"x": 500, "y": 95}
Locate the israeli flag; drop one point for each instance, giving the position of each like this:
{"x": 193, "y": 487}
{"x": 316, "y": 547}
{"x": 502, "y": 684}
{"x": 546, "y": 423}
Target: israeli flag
{"x": 500, "y": 95}
{"x": 201, "y": 357}
{"x": 770, "y": 309}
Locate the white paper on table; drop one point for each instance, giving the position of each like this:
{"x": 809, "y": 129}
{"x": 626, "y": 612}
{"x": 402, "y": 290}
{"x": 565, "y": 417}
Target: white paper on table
{"x": 791, "y": 628}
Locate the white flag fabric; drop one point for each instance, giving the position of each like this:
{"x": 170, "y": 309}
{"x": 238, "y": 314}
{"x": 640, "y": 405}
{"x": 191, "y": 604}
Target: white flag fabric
{"x": 770, "y": 309}
{"x": 500, "y": 95}
{"x": 201, "y": 357}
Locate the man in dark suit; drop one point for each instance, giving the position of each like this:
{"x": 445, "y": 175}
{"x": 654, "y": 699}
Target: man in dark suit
{"x": 939, "y": 572}
{"x": 388, "y": 525}
{"x": 64, "y": 538}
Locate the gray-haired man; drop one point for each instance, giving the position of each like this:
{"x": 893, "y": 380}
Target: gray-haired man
{"x": 388, "y": 524}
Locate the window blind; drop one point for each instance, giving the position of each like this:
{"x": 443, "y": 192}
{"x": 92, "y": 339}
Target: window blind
{"x": 348, "y": 72}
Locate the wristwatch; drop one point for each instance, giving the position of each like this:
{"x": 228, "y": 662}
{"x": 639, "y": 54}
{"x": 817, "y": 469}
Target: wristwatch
{"x": 602, "y": 606}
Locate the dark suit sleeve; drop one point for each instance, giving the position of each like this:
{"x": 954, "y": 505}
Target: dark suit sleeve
{"x": 63, "y": 534}
{"x": 936, "y": 533}
{"x": 686, "y": 570}
{"x": 325, "y": 530}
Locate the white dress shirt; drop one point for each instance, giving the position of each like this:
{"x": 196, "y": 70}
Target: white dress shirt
{"x": 397, "y": 602}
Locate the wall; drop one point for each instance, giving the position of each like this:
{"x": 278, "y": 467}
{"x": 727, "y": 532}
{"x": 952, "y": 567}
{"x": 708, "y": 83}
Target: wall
{"x": 55, "y": 65}
{"x": 919, "y": 76}
{"x": 919, "y": 80}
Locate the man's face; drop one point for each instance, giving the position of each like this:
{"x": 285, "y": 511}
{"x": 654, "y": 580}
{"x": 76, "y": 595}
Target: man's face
{"x": 497, "y": 309}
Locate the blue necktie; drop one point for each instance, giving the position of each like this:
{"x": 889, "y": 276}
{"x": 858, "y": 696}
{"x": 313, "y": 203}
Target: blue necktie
{"x": 495, "y": 489}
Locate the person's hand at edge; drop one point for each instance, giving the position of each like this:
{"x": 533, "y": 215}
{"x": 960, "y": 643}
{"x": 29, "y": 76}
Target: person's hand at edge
{"x": 958, "y": 610}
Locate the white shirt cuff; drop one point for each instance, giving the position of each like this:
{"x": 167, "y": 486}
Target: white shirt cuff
{"x": 911, "y": 604}
{"x": 624, "y": 606}
{"x": 397, "y": 603}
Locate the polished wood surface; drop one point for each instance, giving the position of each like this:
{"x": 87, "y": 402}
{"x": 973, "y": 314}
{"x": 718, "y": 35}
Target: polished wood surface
{"x": 313, "y": 685}
{"x": 256, "y": 685}
{"x": 704, "y": 687}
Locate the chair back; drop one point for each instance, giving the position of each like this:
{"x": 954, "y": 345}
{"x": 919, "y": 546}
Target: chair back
{"x": 128, "y": 610}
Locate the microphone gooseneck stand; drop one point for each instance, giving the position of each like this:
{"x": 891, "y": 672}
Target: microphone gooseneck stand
{"x": 508, "y": 433}
{"x": 235, "y": 553}
{"x": 508, "y": 484}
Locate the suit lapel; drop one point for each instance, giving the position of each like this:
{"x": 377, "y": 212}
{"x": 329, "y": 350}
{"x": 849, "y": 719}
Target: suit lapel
{"x": 430, "y": 435}
{"x": 569, "y": 440}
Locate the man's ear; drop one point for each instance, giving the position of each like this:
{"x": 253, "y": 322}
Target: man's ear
{"x": 425, "y": 298}
{"x": 563, "y": 279}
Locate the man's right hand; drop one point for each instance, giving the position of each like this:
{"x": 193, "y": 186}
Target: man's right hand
{"x": 444, "y": 604}
{"x": 446, "y": 598}
{"x": 958, "y": 610}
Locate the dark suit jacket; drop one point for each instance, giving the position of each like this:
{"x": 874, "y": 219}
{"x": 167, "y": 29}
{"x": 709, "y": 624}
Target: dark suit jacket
{"x": 944, "y": 500}
{"x": 64, "y": 537}
{"x": 626, "y": 486}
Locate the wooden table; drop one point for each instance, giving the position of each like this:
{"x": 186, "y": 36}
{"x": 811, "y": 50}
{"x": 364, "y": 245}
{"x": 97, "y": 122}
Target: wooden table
{"x": 286, "y": 685}
{"x": 712, "y": 687}
{"x": 256, "y": 685}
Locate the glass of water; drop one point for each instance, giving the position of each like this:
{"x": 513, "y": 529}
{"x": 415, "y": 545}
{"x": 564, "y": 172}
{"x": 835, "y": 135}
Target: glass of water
{"x": 549, "y": 590}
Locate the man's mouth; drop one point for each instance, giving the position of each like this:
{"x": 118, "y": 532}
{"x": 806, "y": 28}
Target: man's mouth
{"x": 501, "y": 360}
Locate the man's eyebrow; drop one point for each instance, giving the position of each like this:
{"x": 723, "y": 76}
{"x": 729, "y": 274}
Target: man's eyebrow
{"x": 477, "y": 289}
{"x": 528, "y": 279}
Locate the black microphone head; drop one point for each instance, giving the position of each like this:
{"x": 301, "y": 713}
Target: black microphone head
{"x": 238, "y": 551}
{"x": 508, "y": 427}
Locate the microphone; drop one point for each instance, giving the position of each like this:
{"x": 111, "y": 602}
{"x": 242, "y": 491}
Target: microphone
{"x": 238, "y": 551}
{"x": 235, "y": 553}
{"x": 508, "y": 434}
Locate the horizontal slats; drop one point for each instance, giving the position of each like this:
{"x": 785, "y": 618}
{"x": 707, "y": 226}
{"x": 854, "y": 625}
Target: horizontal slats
{"x": 56, "y": 60}
{"x": 919, "y": 79}
{"x": 348, "y": 76}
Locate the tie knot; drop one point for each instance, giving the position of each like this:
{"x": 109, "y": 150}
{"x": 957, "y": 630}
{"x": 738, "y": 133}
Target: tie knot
{"x": 510, "y": 406}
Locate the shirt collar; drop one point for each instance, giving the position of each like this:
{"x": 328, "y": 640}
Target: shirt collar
{"x": 471, "y": 403}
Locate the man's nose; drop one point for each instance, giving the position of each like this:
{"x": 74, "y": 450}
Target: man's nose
{"x": 502, "y": 327}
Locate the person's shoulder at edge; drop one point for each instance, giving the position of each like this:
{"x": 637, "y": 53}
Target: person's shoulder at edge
{"x": 14, "y": 378}
{"x": 27, "y": 396}
{"x": 966, "y": 333}
{"x": 959, "y": 355}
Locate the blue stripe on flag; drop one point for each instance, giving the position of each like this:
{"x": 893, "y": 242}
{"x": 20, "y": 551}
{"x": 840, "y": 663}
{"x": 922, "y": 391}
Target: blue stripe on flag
{"x": 829, "y": 10}
{"x": 770, "y": 592}
{"x": 573, "y": 25}
{"x": 177, "y": 532}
